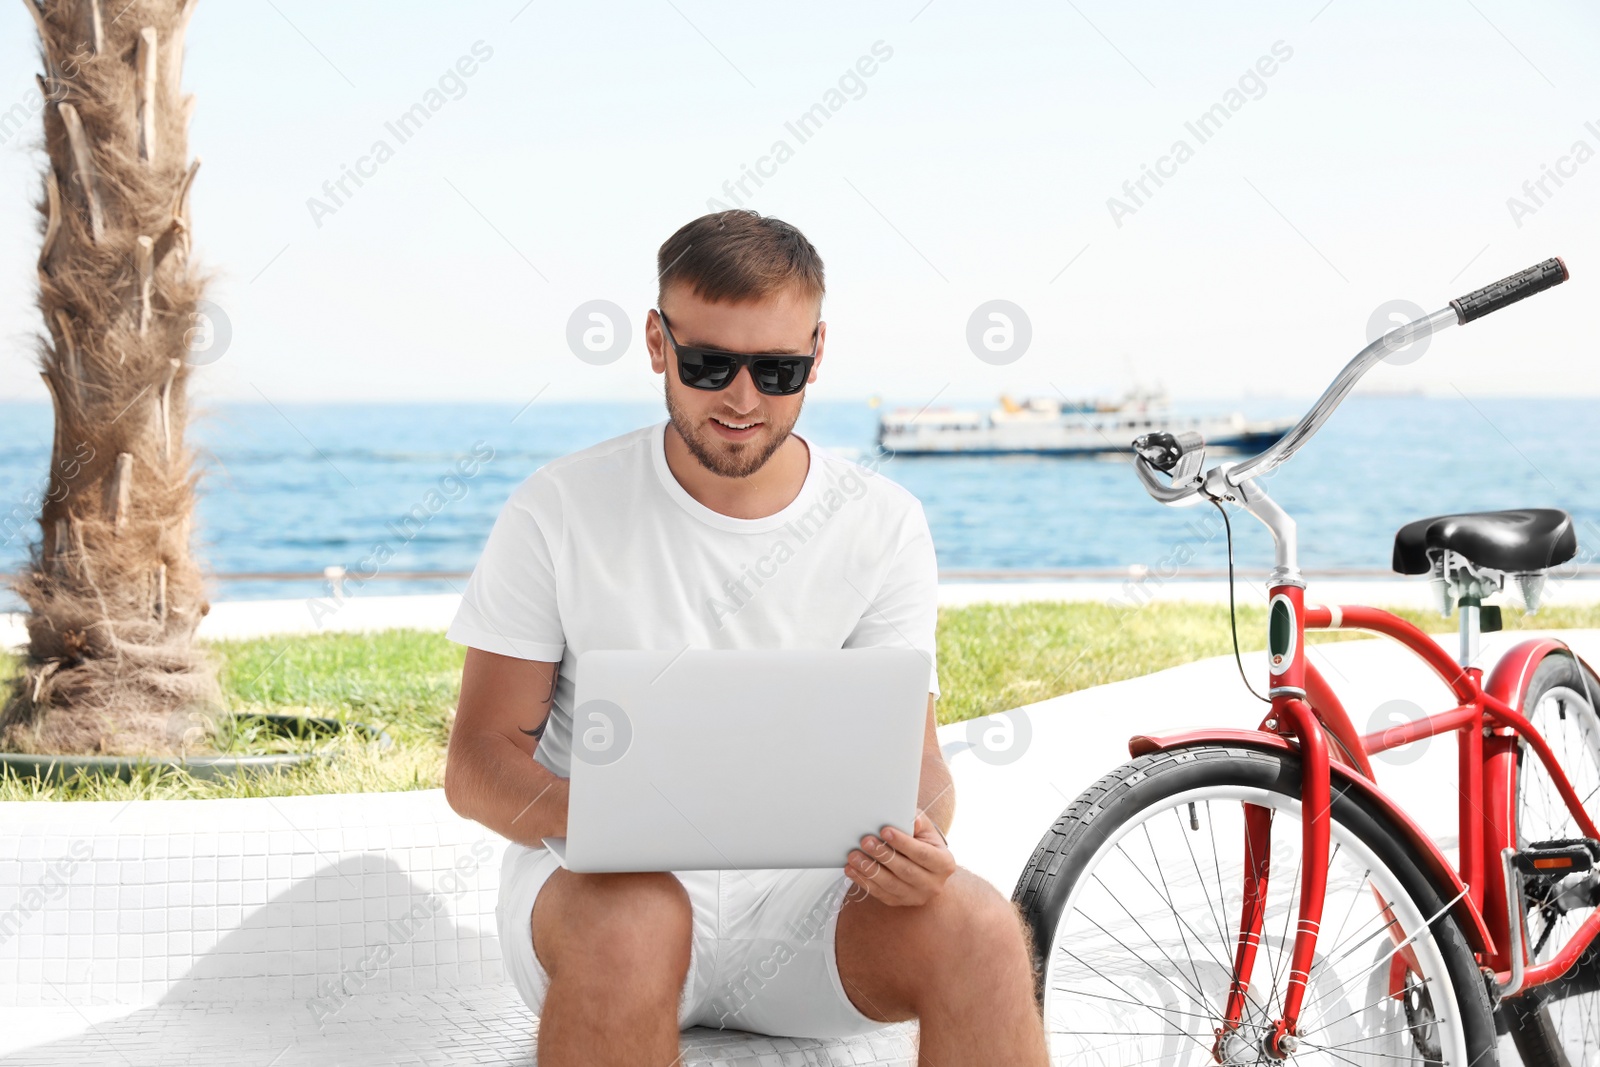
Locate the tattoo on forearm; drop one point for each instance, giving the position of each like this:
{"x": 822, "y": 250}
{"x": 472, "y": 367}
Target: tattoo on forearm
{"x": 538, "y": 731}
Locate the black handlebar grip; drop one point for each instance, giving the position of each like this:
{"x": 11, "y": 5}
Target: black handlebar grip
{"x": 1163, "y": 450}
{"x": 1507, "y": 291}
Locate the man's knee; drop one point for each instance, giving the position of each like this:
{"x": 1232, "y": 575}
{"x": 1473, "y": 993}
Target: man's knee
{"x": 614, "y": 930}
{"x": 972, "y": 921}
{"x": 966, "y": 935}
{"x": 968, "y": 942}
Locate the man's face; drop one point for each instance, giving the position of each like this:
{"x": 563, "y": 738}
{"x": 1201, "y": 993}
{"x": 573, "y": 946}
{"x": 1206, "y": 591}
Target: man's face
{"x": 780, "y": 323}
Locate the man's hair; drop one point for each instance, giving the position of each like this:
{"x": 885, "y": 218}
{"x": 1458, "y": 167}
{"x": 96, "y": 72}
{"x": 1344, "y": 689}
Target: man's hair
{"x": 737, "y": 255}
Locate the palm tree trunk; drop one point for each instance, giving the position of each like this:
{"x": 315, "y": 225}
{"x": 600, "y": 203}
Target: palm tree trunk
{"x": 113, "y": 592}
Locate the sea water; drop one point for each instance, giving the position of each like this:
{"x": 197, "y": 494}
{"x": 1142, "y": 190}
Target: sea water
{"x": 300, "y": 487}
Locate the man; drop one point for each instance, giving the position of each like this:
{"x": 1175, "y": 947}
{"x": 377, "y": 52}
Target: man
{"x": 721, "y": 528}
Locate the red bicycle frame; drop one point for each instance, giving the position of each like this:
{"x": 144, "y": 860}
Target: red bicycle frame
{"x": 1308, "y": 720}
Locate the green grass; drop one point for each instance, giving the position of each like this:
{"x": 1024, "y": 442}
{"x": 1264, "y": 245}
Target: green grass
{"x": 403, "y": 681}
{"x": 991, "y": 657}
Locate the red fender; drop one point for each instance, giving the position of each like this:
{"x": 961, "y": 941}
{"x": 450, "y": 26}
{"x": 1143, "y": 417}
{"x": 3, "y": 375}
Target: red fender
{"x": 1432, "y": 861}
{"x": 1512, "y": 673}
{"x": 1507, "y": 682}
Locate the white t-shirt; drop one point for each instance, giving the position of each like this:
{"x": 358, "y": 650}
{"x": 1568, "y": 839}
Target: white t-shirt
{"x": 605, "y": 549}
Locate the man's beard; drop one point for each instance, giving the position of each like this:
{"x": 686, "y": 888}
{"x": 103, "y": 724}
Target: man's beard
{"x": 730, "y": 459}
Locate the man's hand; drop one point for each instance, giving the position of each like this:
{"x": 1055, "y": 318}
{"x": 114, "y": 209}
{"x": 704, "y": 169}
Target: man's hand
{"x": 902, "y": 869}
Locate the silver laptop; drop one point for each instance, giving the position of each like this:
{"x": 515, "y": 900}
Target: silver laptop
{"x": 728, "y": 759}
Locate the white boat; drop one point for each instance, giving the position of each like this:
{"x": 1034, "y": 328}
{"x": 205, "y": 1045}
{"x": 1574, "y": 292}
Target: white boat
{"x": 1051, "y": 427}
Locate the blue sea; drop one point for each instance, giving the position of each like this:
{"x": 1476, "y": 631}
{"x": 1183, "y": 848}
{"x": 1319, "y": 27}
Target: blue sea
{"x": 299, "y": 487}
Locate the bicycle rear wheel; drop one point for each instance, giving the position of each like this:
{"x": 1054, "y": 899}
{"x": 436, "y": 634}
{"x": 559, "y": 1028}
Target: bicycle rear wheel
{"x": 1134, "y": 898}
{"x": 1558, "y": 1024}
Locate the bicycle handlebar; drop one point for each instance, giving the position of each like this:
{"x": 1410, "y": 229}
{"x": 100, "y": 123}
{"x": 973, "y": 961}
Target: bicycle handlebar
{"x": 1169, "y": 449}
{"x": 1507, "y": 291}
{"x": 1334, "y": 395}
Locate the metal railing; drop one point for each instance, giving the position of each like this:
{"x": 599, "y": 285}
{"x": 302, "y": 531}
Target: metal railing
{"x": 336, "y": 576}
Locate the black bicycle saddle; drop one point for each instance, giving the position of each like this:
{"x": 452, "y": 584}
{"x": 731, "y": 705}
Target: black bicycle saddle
{"x": 1521, "y": 541}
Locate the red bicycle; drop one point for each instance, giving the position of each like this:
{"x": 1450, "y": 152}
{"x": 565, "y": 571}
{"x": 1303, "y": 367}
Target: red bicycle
{"x": 1252, "y": 896}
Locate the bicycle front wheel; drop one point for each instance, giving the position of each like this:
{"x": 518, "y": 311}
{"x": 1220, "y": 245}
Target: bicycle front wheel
{"x": 1135, "y": 898}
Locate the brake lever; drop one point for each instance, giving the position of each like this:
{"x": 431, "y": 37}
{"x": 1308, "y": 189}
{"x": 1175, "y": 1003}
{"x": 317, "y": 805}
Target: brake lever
{"x": 1189, "y": 467}
{"x": 1176, "y": 493}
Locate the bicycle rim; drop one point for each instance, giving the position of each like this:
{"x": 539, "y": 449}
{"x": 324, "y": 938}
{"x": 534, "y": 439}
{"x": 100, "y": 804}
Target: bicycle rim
{"x": 1141, "y": 963}
{"x": 1564, "y": 715}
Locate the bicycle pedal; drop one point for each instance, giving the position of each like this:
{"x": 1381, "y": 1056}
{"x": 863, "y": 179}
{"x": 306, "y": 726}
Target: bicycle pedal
{"x": 1569, "y": 842}
{"x": 1557, "y": 858}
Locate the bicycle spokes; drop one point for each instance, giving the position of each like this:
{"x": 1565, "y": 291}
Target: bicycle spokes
{"x": 1182, "y": 937}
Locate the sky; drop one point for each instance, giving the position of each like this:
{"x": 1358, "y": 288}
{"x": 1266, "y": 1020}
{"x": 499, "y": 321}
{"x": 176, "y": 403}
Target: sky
{"x": 957, "y": 154}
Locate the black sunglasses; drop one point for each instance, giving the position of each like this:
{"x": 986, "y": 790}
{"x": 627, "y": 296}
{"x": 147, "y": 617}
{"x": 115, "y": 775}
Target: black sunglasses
{"x": 775, "y": 373}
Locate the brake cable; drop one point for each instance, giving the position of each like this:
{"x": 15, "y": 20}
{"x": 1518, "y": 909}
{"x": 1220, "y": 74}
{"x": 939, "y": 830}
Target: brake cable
{"x": 1233, "y": 616}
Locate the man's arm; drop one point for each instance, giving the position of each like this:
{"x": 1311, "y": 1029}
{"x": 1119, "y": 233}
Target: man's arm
{"x": 936, "y": 794}
{"x": 489, "y": 774}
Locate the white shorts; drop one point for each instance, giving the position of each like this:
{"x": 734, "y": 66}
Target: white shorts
{"x": 761, "y": 956}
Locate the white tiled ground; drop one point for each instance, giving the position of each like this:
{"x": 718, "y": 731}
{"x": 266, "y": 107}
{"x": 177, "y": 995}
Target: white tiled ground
{"x": 483, "y": 1025}
{"x": 216, "y": 900}
{"x": 349, "y": 929}
{"x": 189, "y": 932}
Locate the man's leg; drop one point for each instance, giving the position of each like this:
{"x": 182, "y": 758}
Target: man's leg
{"x": 616, "y": 948}
{"x": 960, "y": 964}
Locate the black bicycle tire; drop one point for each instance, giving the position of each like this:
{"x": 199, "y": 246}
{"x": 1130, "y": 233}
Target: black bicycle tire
{"x": 1527, "y": 1017}
{"x": 1046, "y": 882}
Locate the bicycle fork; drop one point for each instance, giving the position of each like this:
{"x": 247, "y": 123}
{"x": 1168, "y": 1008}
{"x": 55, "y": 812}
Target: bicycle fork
{"x": 1291, "y": 715}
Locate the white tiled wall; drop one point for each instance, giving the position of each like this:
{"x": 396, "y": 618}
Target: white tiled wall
{"x": 217, "y": 900}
